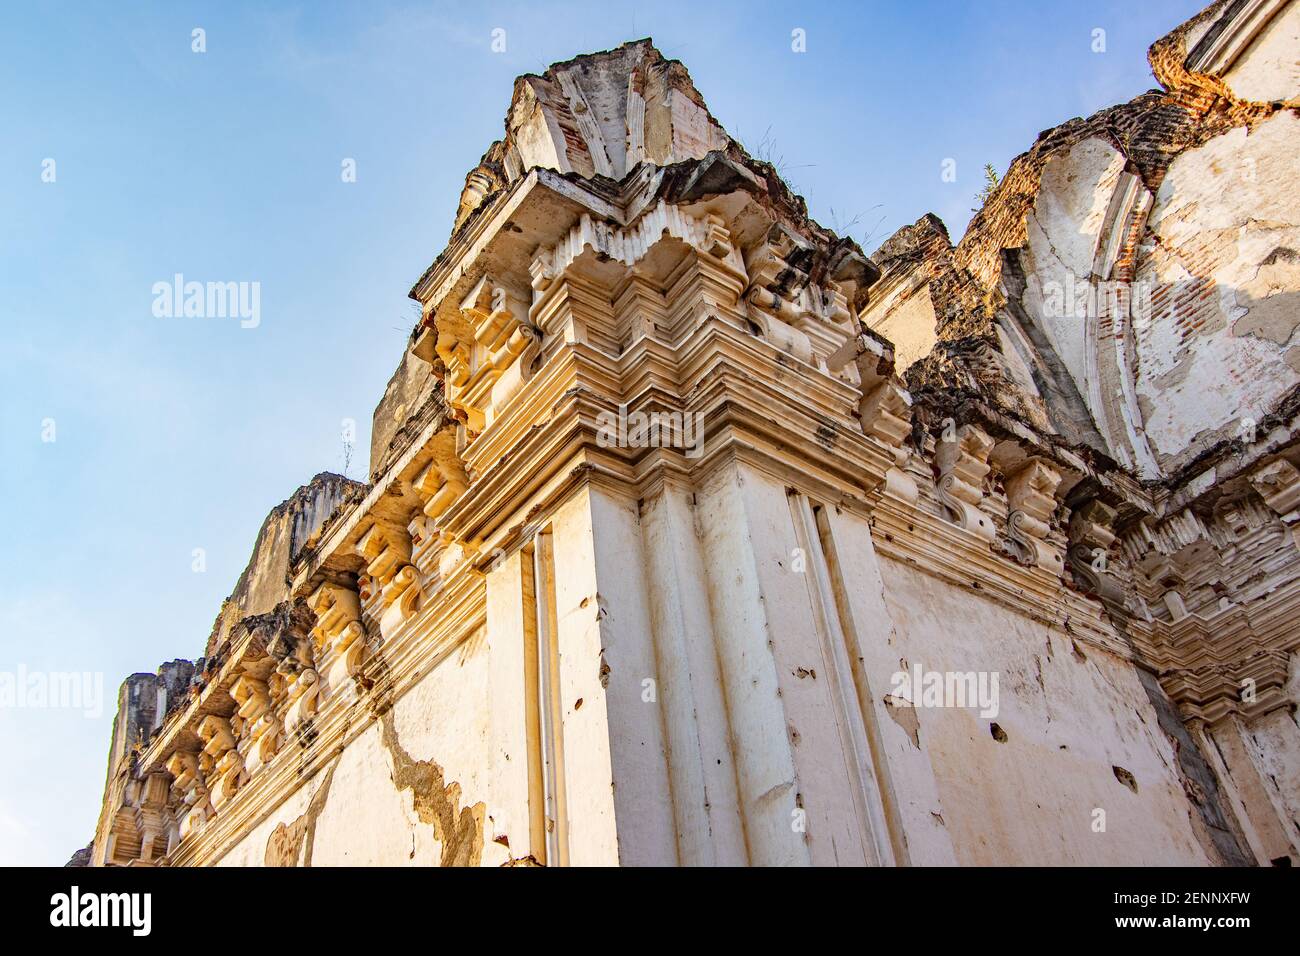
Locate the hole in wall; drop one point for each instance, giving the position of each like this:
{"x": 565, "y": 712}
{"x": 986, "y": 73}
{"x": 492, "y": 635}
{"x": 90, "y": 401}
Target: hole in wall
{"x": 1126, "y": 778}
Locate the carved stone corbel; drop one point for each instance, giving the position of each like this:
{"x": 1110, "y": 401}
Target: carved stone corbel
{"x": 775, "y": 288}
{"x": 262, "y": 726}
{"x": 219, "y": 744}
{"x": 1167, "y": 577}
{"x": 452, "y": 555}
{"x": 885, "y": 410}
{"x": 1278, "y": 483}
{"x": 297, "y": 681}
{"x": 441, "y": 482}
{"x": 1090, "y": 540}
{"x": 1031, "y": 494}
{"x": 425, "y": 544}
{"x": 339, "y": 634}
{"x": 541, "y": 273}
{"x": 807, "y": 318}
{"x": 717, "y": 237}
{"x": 484, "y": 351}
{"x": 302, "y": 693}
{"x": 962, "y": 459}
{"x": 189, "y": 784}
{"x": 392, "y": 581}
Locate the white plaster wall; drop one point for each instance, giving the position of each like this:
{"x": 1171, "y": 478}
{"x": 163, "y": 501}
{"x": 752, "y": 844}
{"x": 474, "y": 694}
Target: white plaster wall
{"x": 1269, "y": 70}
{"x": 1274, "y": 743}
{"x": 620, "y": 809}
{"x": 508, "y": 745}
{"x": 810, "y": 735}
{"x": 1222, "y": 211}
{"x": 589, "y": 774}
{"x": 690, "y": 688}
{"x": 765, "y": 770}
{"x": 747, "y": 641}
{"x": 366, "y": 819}
{"x": 1063, "y": 230}
{"x": 251, "y": 848}
{"x": 536, "y": 136}
{"x": 1220, "y": 265}
{"x": 907, "y": 773}
{"x": 1274, "y": 746}
{"x": 445, "y": 718}
{"x": 603, "y": 595}
{"x": 1068, "y": 721}
{"x": 818, "y": 739}
{"x": 909, "y": 325}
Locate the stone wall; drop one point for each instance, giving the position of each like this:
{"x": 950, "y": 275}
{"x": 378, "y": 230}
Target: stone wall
{"x": 666, "y": 538}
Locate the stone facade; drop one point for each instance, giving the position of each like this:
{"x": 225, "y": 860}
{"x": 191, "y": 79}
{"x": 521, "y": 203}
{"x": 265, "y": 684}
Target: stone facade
{"x": 673, "y": 488}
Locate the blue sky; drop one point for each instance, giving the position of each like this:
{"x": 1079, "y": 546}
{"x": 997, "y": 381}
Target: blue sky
{"x": 173, "y": 434}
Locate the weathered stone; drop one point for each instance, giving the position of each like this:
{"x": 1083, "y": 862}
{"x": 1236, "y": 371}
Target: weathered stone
{"x": 664, "y": 562}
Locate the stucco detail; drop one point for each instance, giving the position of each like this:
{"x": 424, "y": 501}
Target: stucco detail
{"x": 670, "y": 556}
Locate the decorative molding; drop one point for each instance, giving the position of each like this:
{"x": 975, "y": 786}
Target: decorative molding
{"x": 390, "y": 587}
{"x": 1278, "y": 483}
{"x": 339, "y": 636}
{"x": 1031, "y": 496}
{"x": 961, "y": 460}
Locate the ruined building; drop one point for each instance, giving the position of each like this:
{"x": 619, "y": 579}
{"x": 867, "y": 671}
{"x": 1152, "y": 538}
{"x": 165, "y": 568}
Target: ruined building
{"x": 678, "y": 502}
